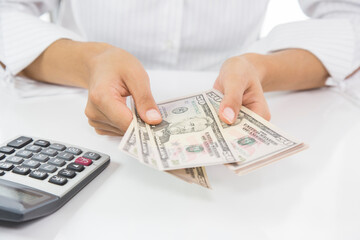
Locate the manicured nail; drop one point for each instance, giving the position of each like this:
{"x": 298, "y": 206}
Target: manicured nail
{"x": 229, "y": 114}
{"x": 153, "y": 115}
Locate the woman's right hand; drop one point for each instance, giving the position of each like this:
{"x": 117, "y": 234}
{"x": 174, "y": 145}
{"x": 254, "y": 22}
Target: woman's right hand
{"x": 115, "y": 74}
{"x": 110, "y": 73}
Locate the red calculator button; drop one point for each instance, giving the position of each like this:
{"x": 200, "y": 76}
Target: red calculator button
{"x": 83, "y": 161}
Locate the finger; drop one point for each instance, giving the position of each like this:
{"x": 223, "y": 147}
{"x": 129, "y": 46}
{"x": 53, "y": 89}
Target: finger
{"x": 145, "y": 104}
{"x": 230, "y": 105}
{"x": 256, "y": 102}
{"x": 105, "y": 127}
{"x": 114, "y": 109}
{"x": 93, "y": 114}
{"x": 259, "y": 109}
{"x": 218, "y": 86}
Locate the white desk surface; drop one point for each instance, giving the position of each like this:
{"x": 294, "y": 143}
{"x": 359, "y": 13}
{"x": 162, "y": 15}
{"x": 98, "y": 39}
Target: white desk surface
{"x": 311, "y": 195}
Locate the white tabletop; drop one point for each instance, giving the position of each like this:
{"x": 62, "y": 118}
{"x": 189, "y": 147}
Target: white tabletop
{"x": 311, "y": 195}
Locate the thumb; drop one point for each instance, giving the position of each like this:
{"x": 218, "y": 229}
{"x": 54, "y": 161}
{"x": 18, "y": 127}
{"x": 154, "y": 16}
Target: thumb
{"x": 145, "y": 103}
{"x": 231, "y": 103}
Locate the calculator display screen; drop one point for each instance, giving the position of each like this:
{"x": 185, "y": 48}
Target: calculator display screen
{"x": 23, "y": 196}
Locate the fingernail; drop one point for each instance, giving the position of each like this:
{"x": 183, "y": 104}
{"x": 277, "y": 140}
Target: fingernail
{"x": 229, "y": 114}
{"x": 153, "y": 115}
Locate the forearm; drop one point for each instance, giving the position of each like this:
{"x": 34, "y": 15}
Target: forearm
{"x": 292, "y": 69}
{"x": 64, "y": 62}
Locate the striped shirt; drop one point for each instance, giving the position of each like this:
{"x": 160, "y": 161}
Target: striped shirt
{"x": 181, "y": 34}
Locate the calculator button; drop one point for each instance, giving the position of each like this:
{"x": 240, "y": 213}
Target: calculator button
{"x": 65, "y": 156}
{"x": 7, "y": 150}
{"x": 33, "y": 148}
{"x": 40, "y": 157}
{"x": 2, "y": 156}
{"x": 20, "y": 142}
{"x": 91, "y": 155}
{"x": 83, "y": 161}
{"x": 47, "y": 168}
{"x": 58, "y": 146}
{"x": 31, "y": 164}
{"x": 67, "y": 173}
{"x": 42, "y": 143}
{"x": 24, "y": 154}
{"x": 14, "y": 160}
{"x": 21, "y": 170}
{"x": 2, "y": 173}
{"x": 73, "y": 150}
{"x": 59, "y": 180}
{"x": 6, "y": 166}
{"x": 38, "y": 174}
{"x": 50, "y": 152}
{"x": 56, "y": 162}
{"x": 76, "y": 167}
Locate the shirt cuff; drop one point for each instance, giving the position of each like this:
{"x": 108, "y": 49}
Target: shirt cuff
{"x": 332, "y": 41}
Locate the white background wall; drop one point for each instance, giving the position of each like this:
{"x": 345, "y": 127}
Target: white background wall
{"x": 281, "y": 11}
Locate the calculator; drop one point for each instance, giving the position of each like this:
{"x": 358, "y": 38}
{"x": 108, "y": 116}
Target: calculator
{"x": 38, "y": 176}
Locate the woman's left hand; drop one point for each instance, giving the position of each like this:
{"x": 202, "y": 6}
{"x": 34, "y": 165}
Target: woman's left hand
{"x": 240, "y": 81}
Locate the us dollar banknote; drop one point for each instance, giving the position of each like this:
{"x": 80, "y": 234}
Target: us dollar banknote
{"x": 128, "y": 143}
{"x": 189, "y": 135}
{"x": 196, "y": 175}
{"x": 252, "y": 138}
{"x": 192, "y": 135}
{"x": 146, "y": 151}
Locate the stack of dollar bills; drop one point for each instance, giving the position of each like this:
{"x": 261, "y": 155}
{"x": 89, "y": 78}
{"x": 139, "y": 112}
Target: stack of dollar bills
{"x": 192, "y": 136}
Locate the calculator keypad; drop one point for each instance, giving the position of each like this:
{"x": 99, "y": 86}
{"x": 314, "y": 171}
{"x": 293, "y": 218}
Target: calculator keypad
{"x": 41, "y": 160}
{"x": 15, "y": 160}
{"x": 21, "y": 170}
{"x": 6, "y": 166}
{"x": 39, "y": 174}
{"x": 33, "y": 148}
{"x": 59, "y": 180}
{"x": 73, "y": 150}
{"x": 83, "y": 161}
{"x": 56, "y": 162}
{"x": 50, "y": 152}
{"x": 7, "y": 150}
{"x": 76, "y": 167}
{"x": 31, "y": 164}
{"x": 42, "y": 143}
{"x": 40, "y": 157}
{"x": 20, "y": 142}
{"x": 92, "y": 155}
{"x": 65, "y": 156}
{"x": 48, "y": 168}
{"x": 58, "y": 146}
{"x": 67, "y": 173}
{"x": 24, "y": 154}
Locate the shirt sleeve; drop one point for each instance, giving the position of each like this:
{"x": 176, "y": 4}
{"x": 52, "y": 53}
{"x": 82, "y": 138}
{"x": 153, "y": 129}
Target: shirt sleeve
{"x": 332, "y": 35}
{"x": 23, "y": 35}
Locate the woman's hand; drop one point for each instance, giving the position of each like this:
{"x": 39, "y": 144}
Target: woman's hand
{"x": 110, "y": 73}
{"x": 115, "y": 74}
{"x": 243, "y": 79}
{"x": 240, "y": 80}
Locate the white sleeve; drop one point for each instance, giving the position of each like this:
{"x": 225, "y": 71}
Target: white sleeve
{"x": 23, "y": 36}
{"x": 332, "y": 35}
